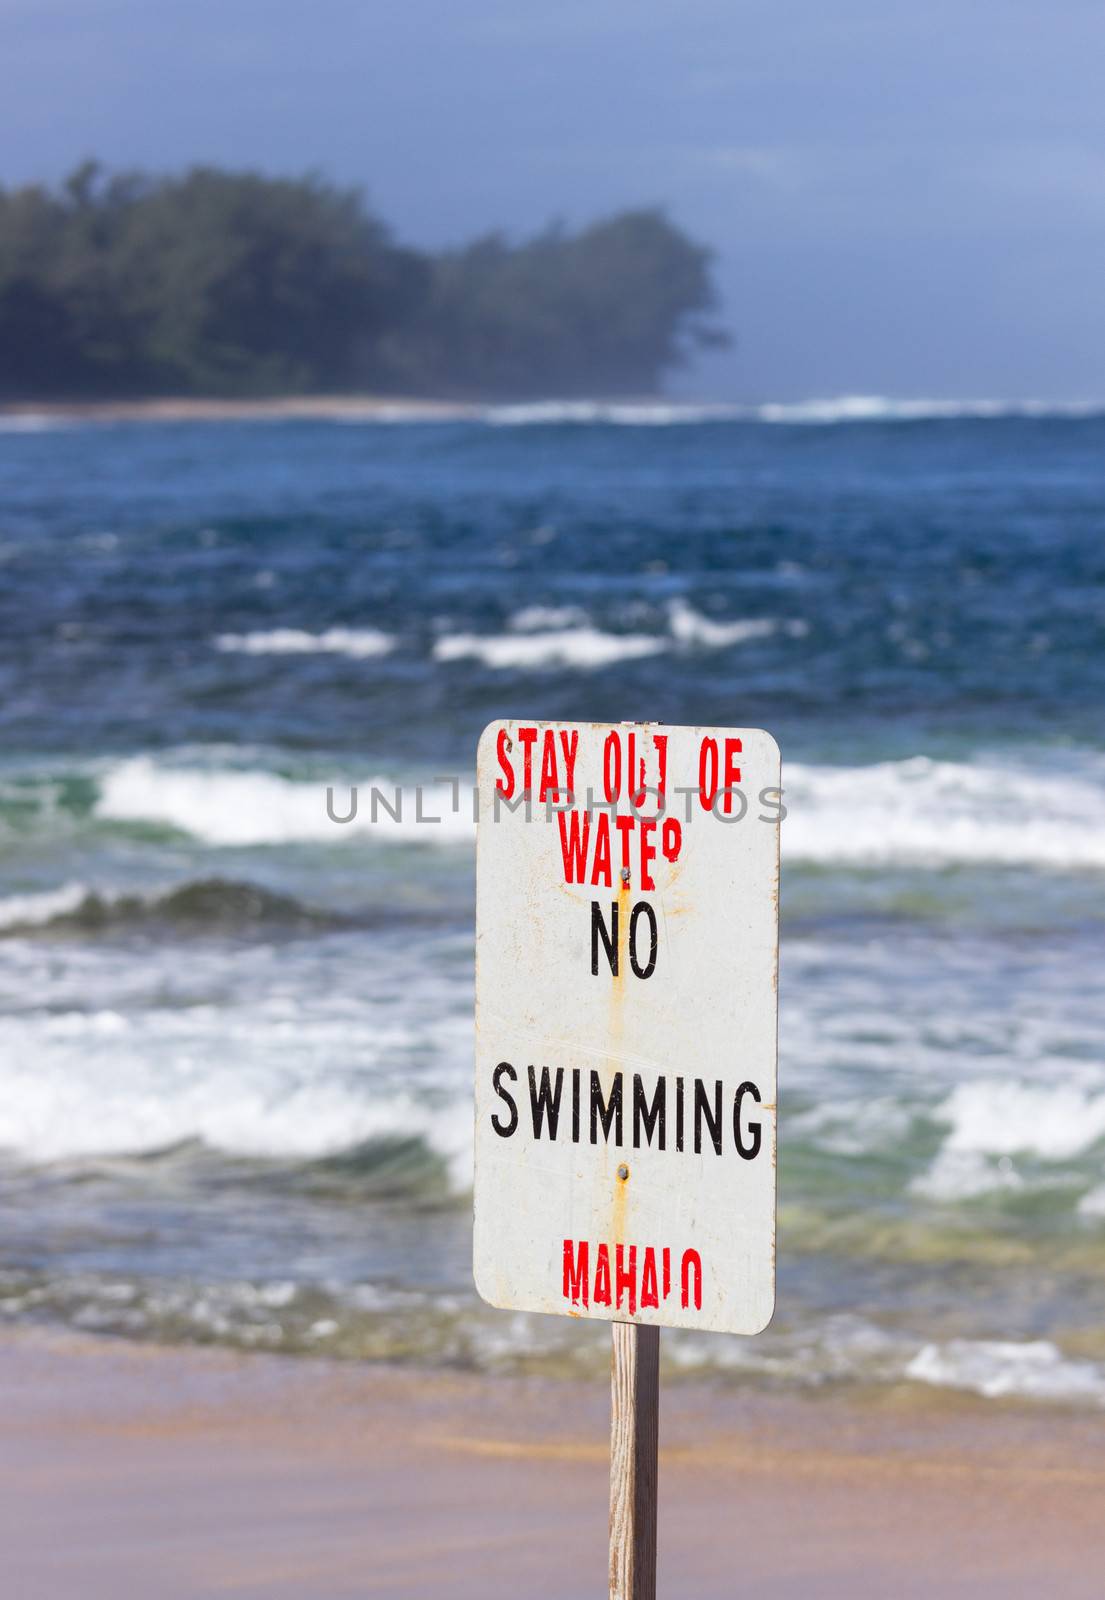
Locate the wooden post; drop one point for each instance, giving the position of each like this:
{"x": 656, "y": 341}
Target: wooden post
{"x": 634, "y": 1416}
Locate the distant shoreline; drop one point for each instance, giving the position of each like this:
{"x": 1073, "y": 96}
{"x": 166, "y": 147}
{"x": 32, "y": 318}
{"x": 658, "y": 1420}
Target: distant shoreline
{"x": 642, "y": 410}
{"x": 370, "y": 408}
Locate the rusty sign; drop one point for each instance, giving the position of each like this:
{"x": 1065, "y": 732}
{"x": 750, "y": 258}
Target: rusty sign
{"x": 626, "y": 974}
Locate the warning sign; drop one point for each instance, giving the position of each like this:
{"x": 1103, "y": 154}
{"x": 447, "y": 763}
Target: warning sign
{"x": 627, "y": 957}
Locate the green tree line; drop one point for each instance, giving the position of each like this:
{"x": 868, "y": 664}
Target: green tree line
{"x": 222, "y": 283}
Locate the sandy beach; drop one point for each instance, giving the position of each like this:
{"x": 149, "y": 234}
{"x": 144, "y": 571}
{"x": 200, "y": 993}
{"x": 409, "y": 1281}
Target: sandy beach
{"x": 138, "y": 1470}
{"x": 298, "y": 408}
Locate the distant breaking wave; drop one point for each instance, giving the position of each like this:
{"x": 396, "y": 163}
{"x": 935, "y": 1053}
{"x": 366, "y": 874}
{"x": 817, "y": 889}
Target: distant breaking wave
{"x": 569, "y": 647}
{"x": 541, "y": 637}
{"x": 630, "y": 414}
{"x": 832, "y": 409}
{"x": 690, "y": 627}
{"x": 360, "y": 643}
{"x": 879, "y": 408}
{"x": 538, "y": 637}
{"x": 581, "y": 413}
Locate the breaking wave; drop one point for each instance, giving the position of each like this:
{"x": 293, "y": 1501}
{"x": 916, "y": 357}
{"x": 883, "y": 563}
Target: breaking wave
{"x": 255, "y": 808}
{"x": 917, "y": 813}
{"x": 130, "y": 1103}
{"x": 581, "y": 647}
{"x": 631, "y": 414}
{"x": 991, "y": 1120}
{"x": 541, "y": 637}
{"x": 690, "y": 627}
{"x": 359, "y": 643}
{"x": 999, "y": 1369}
{"x": 828, "y": 410}
{"x": 924, "y": 812}
{"x": 881, "y": 408}
{"x": 537, "y": 638}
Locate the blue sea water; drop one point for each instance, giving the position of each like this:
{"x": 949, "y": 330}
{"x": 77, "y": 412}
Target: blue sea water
{"x": 235, "y": 1036}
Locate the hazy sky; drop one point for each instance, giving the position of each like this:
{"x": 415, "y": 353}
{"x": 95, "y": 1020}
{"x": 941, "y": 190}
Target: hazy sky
{"x": 905, "y": 198}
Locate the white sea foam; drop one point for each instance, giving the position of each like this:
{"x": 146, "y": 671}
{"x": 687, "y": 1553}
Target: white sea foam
{"x": 104, "y": 1083}
{"x": 633, "y": 414}
{"x": 264, "y": 1055}
{"x": 36, "y": 909}
{"x": 836, "y": 1347}
{"x": 914, "y": 813}
{"x": 830, "y": 409}
{"x": 965, "y": 1174}
{"x": 851, "y": 1348}
{"x": 992, "y": 1120}
{"x": 998, "y": 1369}
{"x": 690, "y": 627}
{"x": 360, "y": 643}
{"x": 931, "y": 813}
{"x": 881, "y": 408}
{"x": 1053, "y": 1121}
{"x": 546, "y": 636}
{"x": 255, "y": 808}
{"x": 581, "y": 647}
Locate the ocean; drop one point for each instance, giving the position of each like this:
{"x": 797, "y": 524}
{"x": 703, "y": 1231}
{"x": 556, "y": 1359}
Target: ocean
{"x": 235, "y": 1034}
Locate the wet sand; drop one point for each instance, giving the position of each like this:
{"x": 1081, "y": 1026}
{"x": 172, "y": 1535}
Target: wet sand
{"x": 135, "y": 1471}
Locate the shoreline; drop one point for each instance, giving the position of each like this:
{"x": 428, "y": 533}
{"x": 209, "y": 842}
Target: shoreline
{"x": 845, "y": 408}
{"x": 141, "y": 1469}
{"x": 369, "y": 408}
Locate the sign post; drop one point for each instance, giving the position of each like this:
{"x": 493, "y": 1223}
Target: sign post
{"x": 626, "y": 975}
{"x": 634, "y": 1433}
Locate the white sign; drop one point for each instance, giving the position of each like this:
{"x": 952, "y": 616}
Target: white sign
{"x": 626, "y": 974}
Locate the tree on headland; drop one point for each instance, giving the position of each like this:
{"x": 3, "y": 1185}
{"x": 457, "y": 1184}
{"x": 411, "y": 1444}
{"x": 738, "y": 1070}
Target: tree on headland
{"x": 222, "y": 283}
{"x": 608, "y": 310}
{"x": 212, "y": 283}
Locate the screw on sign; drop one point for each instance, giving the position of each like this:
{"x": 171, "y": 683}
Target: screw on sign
{"x": 626, "y": 1028}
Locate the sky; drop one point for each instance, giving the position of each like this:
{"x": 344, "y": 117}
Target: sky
{"x": 904, "y": 198}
